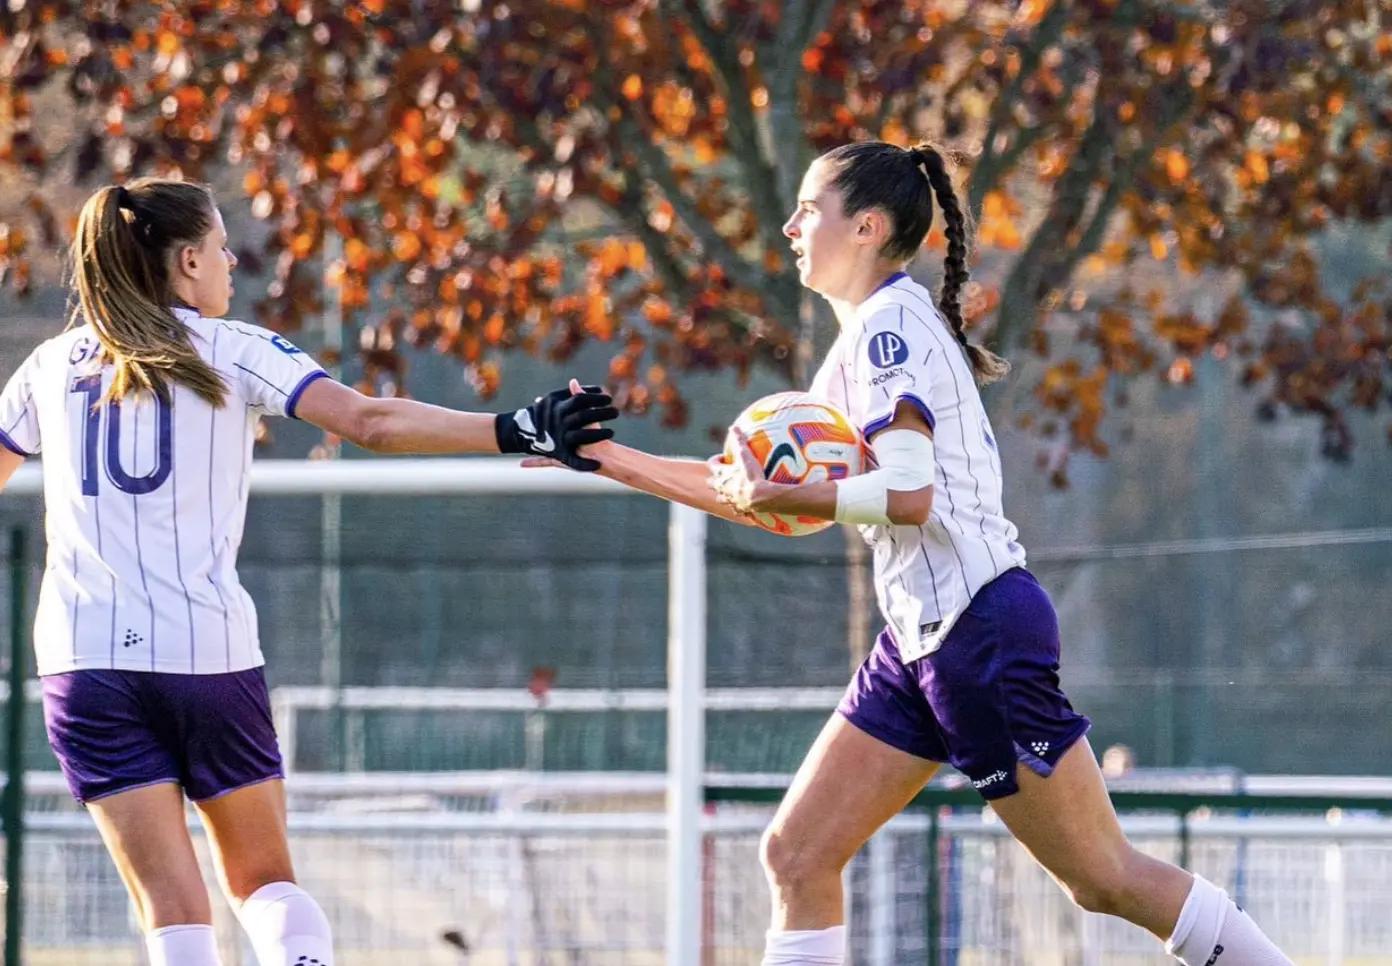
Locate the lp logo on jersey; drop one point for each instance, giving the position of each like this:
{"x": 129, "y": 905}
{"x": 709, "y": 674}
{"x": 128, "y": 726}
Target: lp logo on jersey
{"x": 285, "y": 345}
{"x": 887, "y": 349}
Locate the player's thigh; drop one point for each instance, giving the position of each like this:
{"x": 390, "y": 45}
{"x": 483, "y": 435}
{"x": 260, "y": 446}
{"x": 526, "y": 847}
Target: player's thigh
{"x": 1067, "y": 822}
{"x": 247, "y": 832}
{"x": 147, "y": 835}
{"x": 849, "y": 785}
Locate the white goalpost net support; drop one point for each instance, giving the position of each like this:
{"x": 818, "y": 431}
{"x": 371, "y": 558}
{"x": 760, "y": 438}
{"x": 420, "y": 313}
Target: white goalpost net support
{"x": 686, "y": 631}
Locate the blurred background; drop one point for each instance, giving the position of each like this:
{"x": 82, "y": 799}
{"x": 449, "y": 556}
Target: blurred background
{"x": 1182, "y": 217}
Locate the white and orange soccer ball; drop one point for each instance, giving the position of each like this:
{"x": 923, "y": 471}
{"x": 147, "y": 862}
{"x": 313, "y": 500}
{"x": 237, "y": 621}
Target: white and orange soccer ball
{"x": 798, "y": 438}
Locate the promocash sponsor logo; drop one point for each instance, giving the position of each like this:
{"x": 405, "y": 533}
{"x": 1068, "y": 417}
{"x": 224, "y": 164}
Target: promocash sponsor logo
{"x": 1217, "y": 951}
{"x": 884, "y": 377}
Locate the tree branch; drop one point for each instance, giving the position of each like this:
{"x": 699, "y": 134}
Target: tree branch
{"x": 757, "y": 173}
{"x": 1019, "y": 305}
{"x": 1049, "y": 256}
{"x": 989, "y": 166}
{"x": 657, "y": 166}
{"x": 631, "y": 211}
{"x": 815, "y": 23}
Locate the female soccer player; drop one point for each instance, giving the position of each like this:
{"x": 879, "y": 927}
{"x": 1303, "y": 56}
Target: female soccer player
{"x": 966, "y": 671}
{"x": 145, "y": 409}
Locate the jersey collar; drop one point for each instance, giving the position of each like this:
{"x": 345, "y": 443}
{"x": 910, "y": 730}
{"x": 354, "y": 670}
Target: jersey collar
{"x": 888, "y": 282}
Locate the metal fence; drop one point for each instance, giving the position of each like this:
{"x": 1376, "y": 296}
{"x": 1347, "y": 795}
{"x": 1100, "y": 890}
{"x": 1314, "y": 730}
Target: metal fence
{"x": 572, "y": 869}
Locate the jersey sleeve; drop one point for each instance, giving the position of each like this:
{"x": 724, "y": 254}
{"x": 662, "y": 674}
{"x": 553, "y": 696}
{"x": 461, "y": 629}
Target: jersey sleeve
{"x": 272, "y": 370}
{"x": 19, "y": 418}
{"x": 892, "y": 366}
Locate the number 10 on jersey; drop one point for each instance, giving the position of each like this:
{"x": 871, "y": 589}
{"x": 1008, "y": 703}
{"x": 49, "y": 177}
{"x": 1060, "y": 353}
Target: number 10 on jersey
{"x": 90, "y": 387}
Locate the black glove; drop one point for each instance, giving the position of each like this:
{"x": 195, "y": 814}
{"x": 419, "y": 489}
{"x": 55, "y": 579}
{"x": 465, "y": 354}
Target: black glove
{"x": 557, "y": 424}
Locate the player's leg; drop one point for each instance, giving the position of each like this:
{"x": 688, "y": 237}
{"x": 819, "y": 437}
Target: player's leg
{"x": 870, "y": 760}
{"x": 117, "y": 763}
{"x": 1011, "y": 729}
{"x": 233, "y": 773}
{"x": 145, "y": 832}
{"x": 1067, "y": 823}
{"x": 247, "y": 831}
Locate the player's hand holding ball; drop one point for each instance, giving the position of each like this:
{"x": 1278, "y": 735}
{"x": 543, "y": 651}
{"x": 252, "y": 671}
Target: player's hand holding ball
{"x": 736, "y": 475}
{"x": 556, "y": 425}
{"x": 784, "y": 440}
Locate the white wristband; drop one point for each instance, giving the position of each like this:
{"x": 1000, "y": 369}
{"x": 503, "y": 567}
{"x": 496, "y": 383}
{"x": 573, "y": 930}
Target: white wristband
{"x": 863, "y": 499}
{"x": 906, "y": 463}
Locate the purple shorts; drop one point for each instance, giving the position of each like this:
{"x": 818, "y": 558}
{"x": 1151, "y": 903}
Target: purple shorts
{"x": 986, "y": 699}
{"x": 117, "y": 730}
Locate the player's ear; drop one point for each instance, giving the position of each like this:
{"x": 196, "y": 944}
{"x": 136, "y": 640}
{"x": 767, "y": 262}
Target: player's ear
{"x": 186, "y": 260}
{"x": 872, "y": 227}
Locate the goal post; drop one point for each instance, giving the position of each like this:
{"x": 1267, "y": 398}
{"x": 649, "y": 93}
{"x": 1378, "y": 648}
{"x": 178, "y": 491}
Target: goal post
{"x": 686, "y": 631}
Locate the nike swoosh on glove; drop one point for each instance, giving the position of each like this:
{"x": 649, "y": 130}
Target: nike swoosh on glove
{"x": 557, "y": 424}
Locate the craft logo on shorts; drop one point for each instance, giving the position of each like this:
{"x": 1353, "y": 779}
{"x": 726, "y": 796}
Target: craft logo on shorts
{"x": 991, "y": 779}
{"x": 887, "y": 349}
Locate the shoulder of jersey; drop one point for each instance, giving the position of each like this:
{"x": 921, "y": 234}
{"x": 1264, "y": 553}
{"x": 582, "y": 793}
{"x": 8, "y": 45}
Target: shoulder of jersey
{"x": 62, "y": 343}
{"x": 206, "y": 325}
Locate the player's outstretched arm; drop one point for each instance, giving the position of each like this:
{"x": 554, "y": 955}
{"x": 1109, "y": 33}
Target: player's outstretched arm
{"x": 677, "y": 480}
{"x": 554, "y": 425}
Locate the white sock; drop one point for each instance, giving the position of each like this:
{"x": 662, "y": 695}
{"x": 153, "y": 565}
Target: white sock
{"x": 1213, "y": 931}
{"x": 286, "y": 927}
{"x": 805, "y": 947}
{"x": 191, "y": 945}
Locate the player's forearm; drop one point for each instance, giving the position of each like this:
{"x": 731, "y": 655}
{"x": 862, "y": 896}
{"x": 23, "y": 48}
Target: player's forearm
{"x": 684, "y": 481}
{"x": 902, "y": 508}
{"x": 408, "y": 426}
{"x": 808, "y": 500}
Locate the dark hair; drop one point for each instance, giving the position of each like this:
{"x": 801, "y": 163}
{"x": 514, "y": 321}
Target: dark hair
{"x": 120, "y": 271}
{"x": 903, "y": 182}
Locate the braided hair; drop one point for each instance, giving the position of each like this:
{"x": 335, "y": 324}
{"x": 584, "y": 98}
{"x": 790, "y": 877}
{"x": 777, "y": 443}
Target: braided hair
{"x": 905, "y": 182}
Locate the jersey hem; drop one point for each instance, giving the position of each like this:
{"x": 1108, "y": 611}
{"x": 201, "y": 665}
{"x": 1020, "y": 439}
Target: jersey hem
{"x": 159, "y": 667}
{"x": 14, "y": 447}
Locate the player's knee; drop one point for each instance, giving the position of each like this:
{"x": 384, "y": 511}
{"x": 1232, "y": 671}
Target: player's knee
{"x": 1102, "y": 891}
{"x": 790, "y": 865}
{"x": 164, "y": 904}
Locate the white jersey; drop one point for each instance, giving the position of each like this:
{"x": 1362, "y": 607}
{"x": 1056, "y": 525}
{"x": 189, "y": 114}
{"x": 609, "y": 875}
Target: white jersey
{"x": 898, "y": 348}
{"x": 146, "y": 501}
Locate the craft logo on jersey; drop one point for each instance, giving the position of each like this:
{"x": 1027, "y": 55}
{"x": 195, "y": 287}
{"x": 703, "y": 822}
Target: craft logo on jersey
{"x": 887, "y": 349}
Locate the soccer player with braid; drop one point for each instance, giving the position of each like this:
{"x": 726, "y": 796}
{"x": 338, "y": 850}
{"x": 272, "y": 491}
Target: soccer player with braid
{"x": 145, "y": 409}
{"x": 966, "y": 670}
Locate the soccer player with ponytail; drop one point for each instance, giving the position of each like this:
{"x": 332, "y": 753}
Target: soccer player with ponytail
{"x": 145, "y": 409}
{"x": 966, "y": 670}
